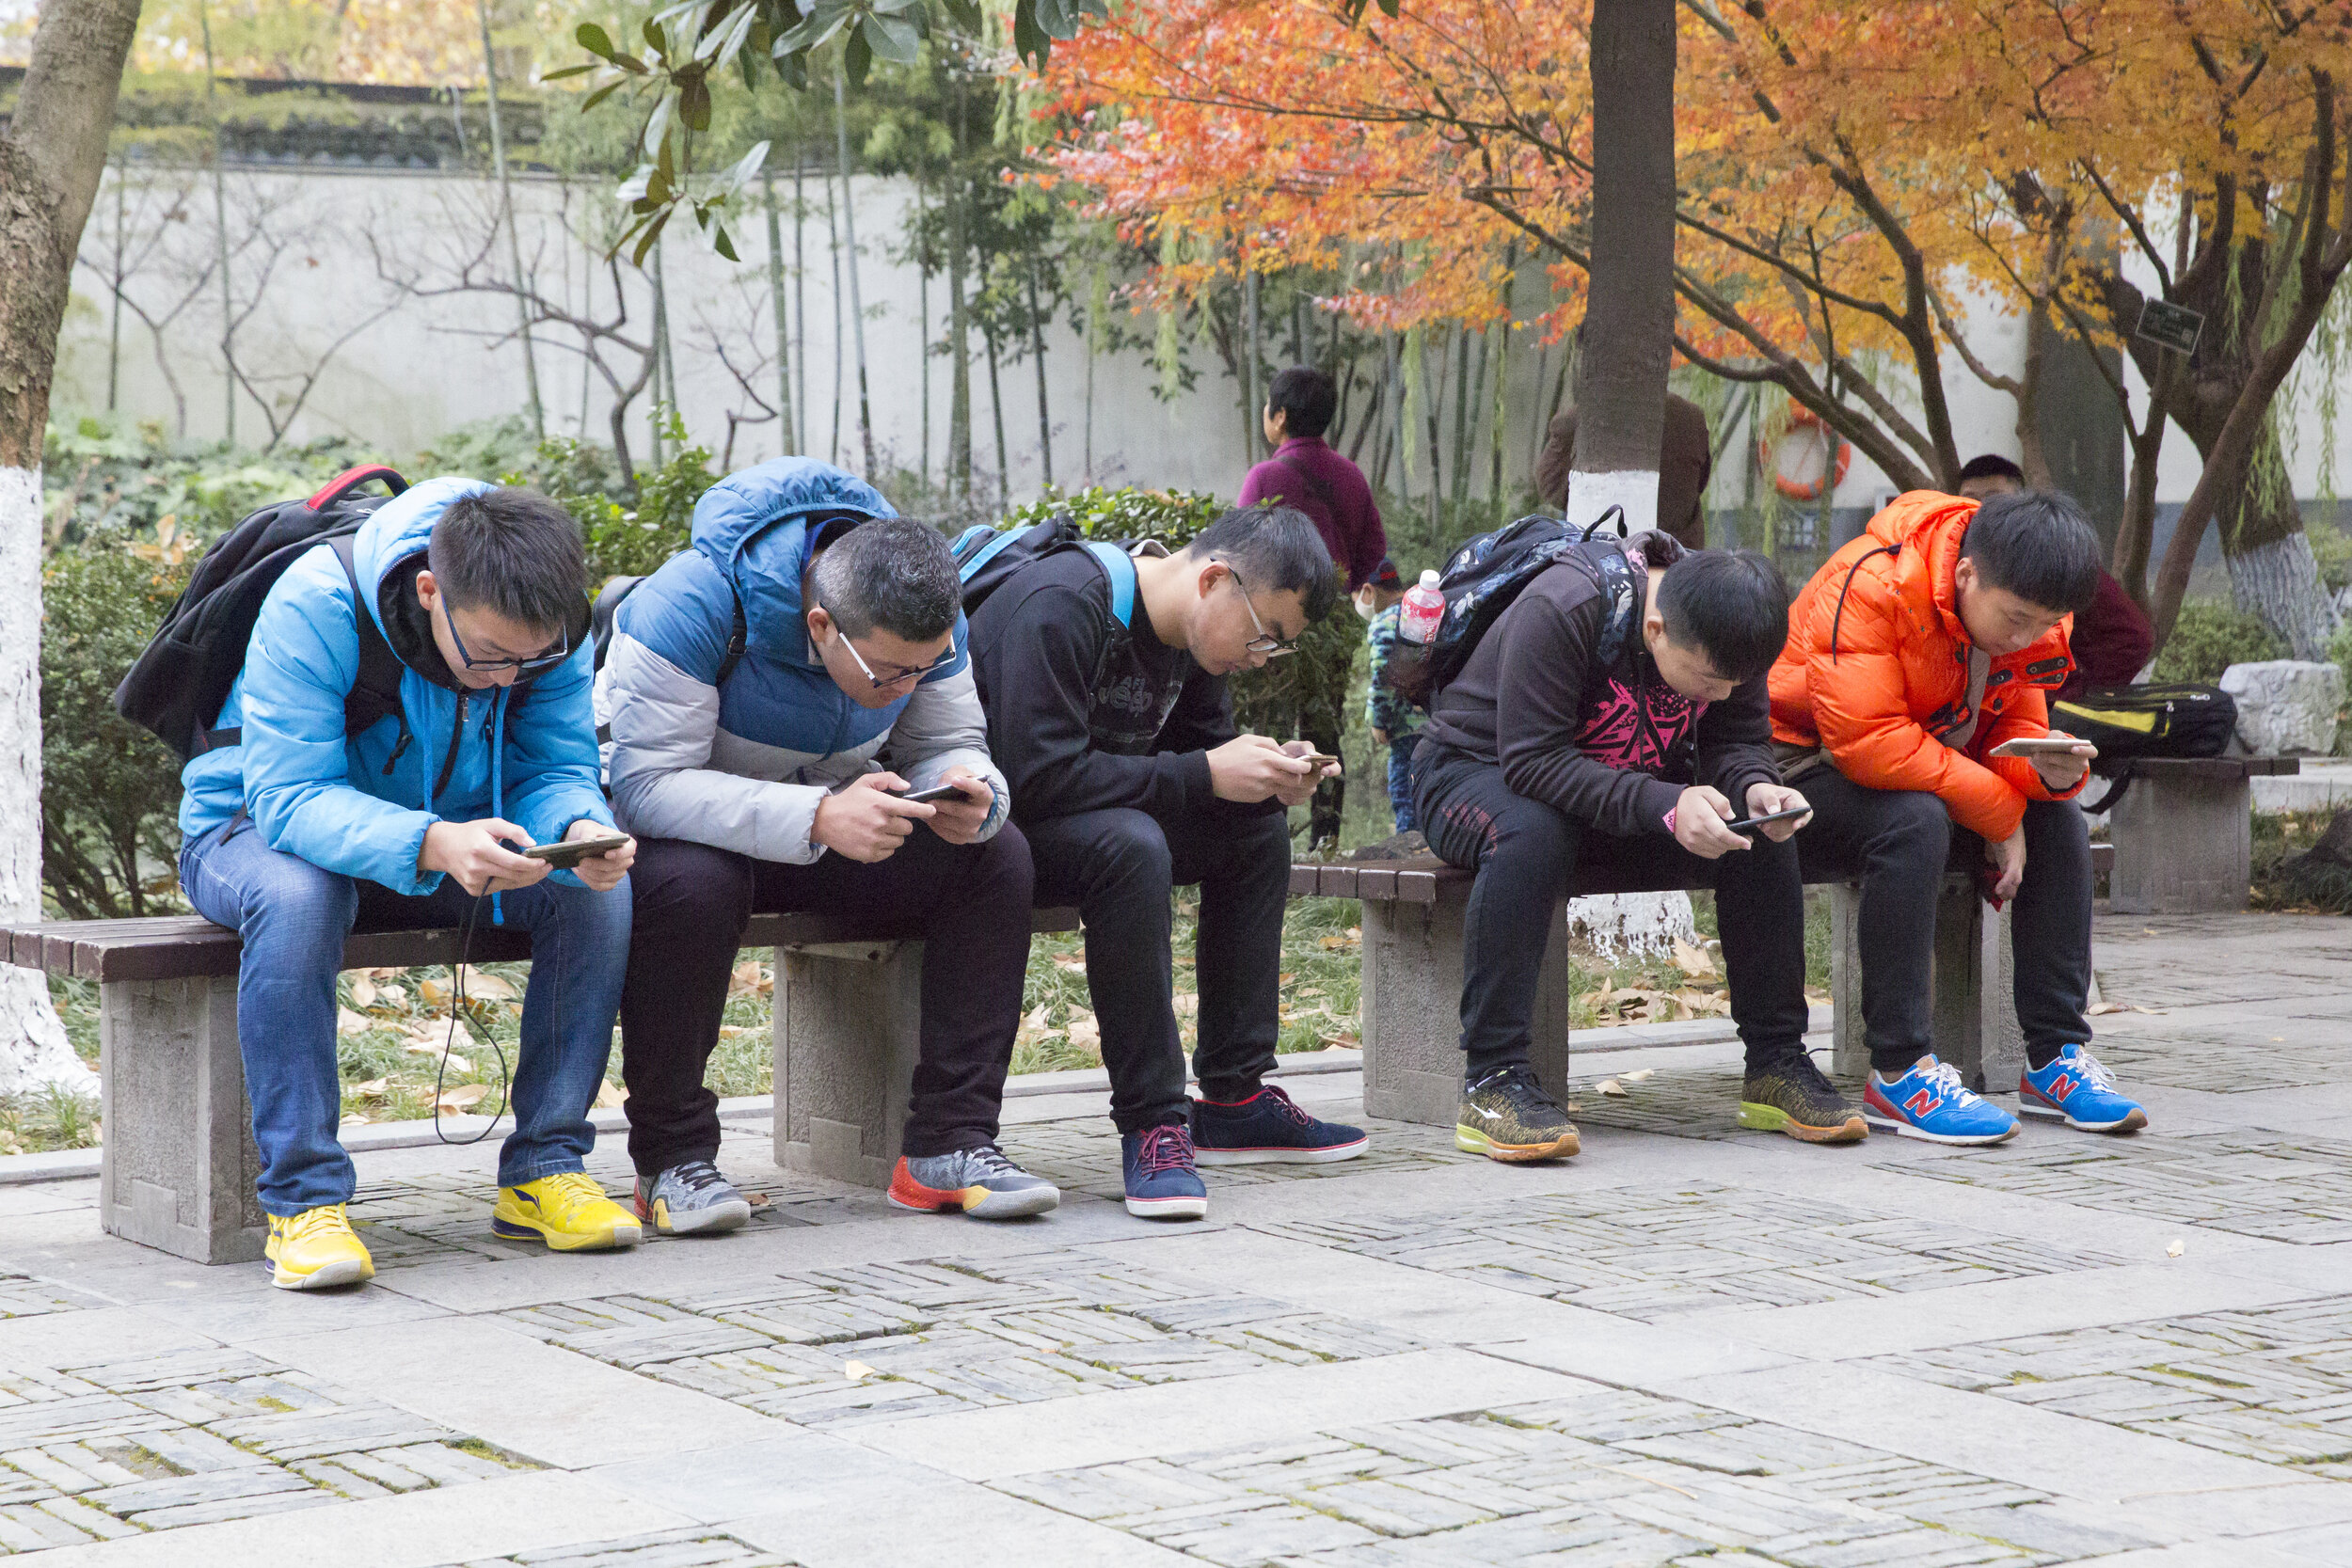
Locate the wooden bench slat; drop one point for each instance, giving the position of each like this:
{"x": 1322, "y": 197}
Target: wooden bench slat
{"x": 1304, "y": 877}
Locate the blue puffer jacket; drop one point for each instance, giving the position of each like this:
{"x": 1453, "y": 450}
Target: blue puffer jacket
{"x": 744, "y": 765}
{"x": 358, "y": 804}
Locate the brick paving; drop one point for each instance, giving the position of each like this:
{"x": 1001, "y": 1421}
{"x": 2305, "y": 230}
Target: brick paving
{"x": 1691, "y": 1345}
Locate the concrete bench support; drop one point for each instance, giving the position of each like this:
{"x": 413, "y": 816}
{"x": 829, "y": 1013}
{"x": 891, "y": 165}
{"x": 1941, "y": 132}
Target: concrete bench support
{"x": 2184, "y": 834}
{"x": 178, "y": 1166}
{"x": 848, "y": 1030}
{"x": 1412, "y": 999}
{"x": 1975, "y": 1018}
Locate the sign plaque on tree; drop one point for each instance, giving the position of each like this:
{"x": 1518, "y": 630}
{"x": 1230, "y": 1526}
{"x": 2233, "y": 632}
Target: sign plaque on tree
{"x": 2168, "y": 326}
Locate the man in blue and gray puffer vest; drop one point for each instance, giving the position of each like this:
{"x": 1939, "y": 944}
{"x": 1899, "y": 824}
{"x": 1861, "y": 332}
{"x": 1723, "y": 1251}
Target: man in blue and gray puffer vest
{"x": 292, "y": 828}
{"x": 771, "y": 694}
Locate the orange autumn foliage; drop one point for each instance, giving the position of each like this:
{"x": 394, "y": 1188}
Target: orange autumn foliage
{"x": 1854, "y": 181}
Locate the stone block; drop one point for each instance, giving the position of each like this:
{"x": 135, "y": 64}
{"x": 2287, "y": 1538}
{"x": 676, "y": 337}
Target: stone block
{"x": 2182, "y": 845}
{"x": 1412, "y": 1002}
{"x": 1974, "y": 1021}
{"x": 178, "y": 1166}
{"x": 848, "y": 1031}
{"x": 2286, "y": 707}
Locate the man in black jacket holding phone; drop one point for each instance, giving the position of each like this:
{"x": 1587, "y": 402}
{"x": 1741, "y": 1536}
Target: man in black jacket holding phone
{"x": 1615, "y": 715}
{"x": 1116, "y": 739}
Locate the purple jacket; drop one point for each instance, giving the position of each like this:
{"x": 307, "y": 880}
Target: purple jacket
{"x": 1309, "y": 475}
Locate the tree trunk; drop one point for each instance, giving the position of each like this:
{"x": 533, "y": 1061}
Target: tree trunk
{"x": 220, "y": 241}
{"x": 784, "y": 340}
{"x": 53, "y": 153}
{"x": 1628, "y": 323}
{"x": 1036, "y": 350}
{"x": 923, "y": 337}
{"x": 857, "y": 305}
{"x": 800, "y": 307}
{"x": 1253, "y": 402}
{"x": 514, "y": 240}
{"x": 832, "y": 249}
{"x": 997, "y": 407}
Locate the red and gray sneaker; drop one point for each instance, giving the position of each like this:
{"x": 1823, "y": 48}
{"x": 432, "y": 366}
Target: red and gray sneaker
{"x": 1267, "y": 1129}
{"x": 979, "y": 1181}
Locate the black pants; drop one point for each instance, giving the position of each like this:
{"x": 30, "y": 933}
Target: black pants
{"x": 970, "y": 903}
{"x": 1526, "y": 855}
{"x": 1900, "y": 842}
{"x": 1119, "y": 866}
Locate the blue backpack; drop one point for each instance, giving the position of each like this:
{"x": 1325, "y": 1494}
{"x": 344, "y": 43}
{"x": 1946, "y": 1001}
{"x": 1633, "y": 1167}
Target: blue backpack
{"x": 987, "y": 558}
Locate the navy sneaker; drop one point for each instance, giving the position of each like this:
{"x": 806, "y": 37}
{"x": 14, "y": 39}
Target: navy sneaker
{"x": 1929, "y": 1102}
{"x": 1267, "y": 1129}
{"x": 1162, "y": 1184}
{"x": 2077, "y": 1088}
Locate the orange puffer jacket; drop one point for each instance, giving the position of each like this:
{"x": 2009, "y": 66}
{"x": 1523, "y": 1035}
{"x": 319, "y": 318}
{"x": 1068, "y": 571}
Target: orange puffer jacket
{"x": 1876, "y": 669}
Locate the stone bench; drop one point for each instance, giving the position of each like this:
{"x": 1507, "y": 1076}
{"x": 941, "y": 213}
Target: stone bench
{"x": 2183, "y": 834}
{"x": 178, "y": 1164}
{"x": 1413, "y": 914}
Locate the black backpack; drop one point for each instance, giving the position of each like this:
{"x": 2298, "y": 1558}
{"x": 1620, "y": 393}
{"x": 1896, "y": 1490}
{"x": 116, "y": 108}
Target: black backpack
{"x": 2127, "y": 722}
{"x": 178, "y": 685}
{"x": 1483, "y": 578}
{"x": 987, "y": 558}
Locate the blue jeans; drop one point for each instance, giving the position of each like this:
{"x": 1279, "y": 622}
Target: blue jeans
{"x": 1401, "y": 779}
{"x": 293, "y": 917}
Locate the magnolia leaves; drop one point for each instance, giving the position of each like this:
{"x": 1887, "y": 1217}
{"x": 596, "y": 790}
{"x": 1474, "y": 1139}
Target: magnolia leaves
{"x": 689, "y": 44}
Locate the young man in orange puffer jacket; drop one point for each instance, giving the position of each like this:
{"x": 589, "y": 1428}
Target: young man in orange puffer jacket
{"x": 1914, "y": 654}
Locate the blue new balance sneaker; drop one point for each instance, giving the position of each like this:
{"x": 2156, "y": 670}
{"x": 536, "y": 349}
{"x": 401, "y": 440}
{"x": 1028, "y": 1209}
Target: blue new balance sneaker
{"x": 2077, "y": 1088}
{"x": 1162, "y": 1184}
{"x": 1269, "y": 1129}
{"x": 1929, "y": 1102}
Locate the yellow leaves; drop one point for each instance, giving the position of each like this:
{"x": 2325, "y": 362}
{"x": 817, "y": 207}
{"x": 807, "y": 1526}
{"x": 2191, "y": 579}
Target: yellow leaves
{"x": 458, "y": 1100}
{"x": 752, "y": 978}
{"x": 610, "y": 1095}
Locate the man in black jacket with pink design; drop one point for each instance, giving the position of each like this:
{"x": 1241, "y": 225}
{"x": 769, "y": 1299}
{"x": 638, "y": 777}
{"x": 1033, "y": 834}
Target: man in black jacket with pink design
{"x": 1613, "y": 720}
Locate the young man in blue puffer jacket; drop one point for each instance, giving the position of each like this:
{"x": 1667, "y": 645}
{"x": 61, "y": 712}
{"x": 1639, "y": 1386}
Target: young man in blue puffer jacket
{"x": 766, "y": 692}
{"x": 300, "y": 829}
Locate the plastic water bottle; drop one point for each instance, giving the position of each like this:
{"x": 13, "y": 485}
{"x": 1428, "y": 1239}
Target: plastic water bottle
{"x": 1424, "y": 608}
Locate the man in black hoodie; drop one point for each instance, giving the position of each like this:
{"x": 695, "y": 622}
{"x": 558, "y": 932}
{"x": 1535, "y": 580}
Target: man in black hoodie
{"x": 1116, "y": 739}
{"x": 1614, "y": 718}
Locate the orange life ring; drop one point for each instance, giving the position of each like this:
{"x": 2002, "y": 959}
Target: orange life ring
{"x": 1833, "y": 472}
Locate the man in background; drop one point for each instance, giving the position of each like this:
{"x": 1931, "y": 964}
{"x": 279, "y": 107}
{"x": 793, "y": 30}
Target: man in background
{"x": 1685, "y": 459}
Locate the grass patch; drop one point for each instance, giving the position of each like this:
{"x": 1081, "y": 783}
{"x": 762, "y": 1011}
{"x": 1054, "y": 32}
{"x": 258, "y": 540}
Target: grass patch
{"x": 2278, "y": 838}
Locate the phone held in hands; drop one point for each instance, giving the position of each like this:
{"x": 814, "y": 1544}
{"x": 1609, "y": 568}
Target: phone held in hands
{"x": 937, "y": 792}
{"x": 1741, "y": 825}
{"x": 2041, "y": 745}
{"x": 567, "y": 853}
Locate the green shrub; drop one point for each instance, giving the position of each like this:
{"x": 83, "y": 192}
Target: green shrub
{"x": 629, "y": 536}
{"x": 100, "y": 474}
{"x": 2208, "y": 637}
{"x": 110, "y": 791}
{"x": 1172, "y": 517}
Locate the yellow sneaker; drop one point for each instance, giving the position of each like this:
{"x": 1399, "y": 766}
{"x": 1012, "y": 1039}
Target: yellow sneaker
{"x": 316, "y": 1249}
{"x": 569, "y": 1210}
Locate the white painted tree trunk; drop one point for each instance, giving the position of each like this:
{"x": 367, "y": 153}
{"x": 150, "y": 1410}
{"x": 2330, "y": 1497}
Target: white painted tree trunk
{"x": 1591, "y": 494}
{"x": 33, "y": 1048}
{"x": 2278, "y": 582}
{"x": 1631, "y": 925}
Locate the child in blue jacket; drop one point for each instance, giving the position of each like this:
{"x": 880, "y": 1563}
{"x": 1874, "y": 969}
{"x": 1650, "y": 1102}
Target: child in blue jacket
{"x": 294, "y": 829}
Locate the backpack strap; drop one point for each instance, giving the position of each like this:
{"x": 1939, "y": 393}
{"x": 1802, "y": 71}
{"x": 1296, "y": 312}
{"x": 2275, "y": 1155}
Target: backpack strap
{"x": 1120, "y": 567}
{"x": 375, "y": 695}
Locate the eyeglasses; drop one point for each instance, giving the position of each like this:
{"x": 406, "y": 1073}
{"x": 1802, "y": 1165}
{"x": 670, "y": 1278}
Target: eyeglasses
{"x": 904, "y": 673}
{"x": 494, "y": 666}
{"x": 1265, "y": 642}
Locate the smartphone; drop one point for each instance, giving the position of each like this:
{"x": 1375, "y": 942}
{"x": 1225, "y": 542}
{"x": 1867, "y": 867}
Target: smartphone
{"x": 937, "y": 792}
{"x": 2037, "y": 745}
{"x": 567, "y": 853}
{"x": 1317, "y": 758}
{"x": 1742, "y": 824}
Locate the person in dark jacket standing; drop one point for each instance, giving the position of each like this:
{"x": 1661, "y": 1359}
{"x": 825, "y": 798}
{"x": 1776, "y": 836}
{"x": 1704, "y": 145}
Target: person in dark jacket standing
{"x": 1306, "y": 473}
{"x": 1118, "y": 746}
{"x": 1615, "y": 713}
{"x": 1685, "y": 459}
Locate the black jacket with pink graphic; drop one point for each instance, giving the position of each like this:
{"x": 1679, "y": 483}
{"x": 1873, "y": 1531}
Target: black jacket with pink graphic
{"x": 1613, "y": 746}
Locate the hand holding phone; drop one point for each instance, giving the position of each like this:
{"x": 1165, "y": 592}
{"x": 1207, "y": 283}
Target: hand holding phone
{"x": 566, "y": 854}
{"x": 950, "y": 791}
{"x": 2044, "y": 745}
{"x": 1747, "y": 823}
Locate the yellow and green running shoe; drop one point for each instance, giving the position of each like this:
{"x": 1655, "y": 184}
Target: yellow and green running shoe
{"x": 1507, "y": 1116}
{"x": 1791, "y": 1096}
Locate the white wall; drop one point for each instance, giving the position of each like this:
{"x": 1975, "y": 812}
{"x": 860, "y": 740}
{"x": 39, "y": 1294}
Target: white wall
{"x": 436, "y": 363}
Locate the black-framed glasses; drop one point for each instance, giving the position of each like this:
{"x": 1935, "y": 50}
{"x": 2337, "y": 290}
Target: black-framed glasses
{"x": 1265, "y": 642}
{"x": 493, "y": 666}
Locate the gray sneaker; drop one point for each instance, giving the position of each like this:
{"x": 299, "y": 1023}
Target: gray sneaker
{"x": 689, "y": 1199}
{"x": 980, "y": 1181}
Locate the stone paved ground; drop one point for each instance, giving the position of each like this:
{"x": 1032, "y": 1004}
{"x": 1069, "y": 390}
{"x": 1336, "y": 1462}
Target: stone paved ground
{"x": 1689, "y": 1345}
